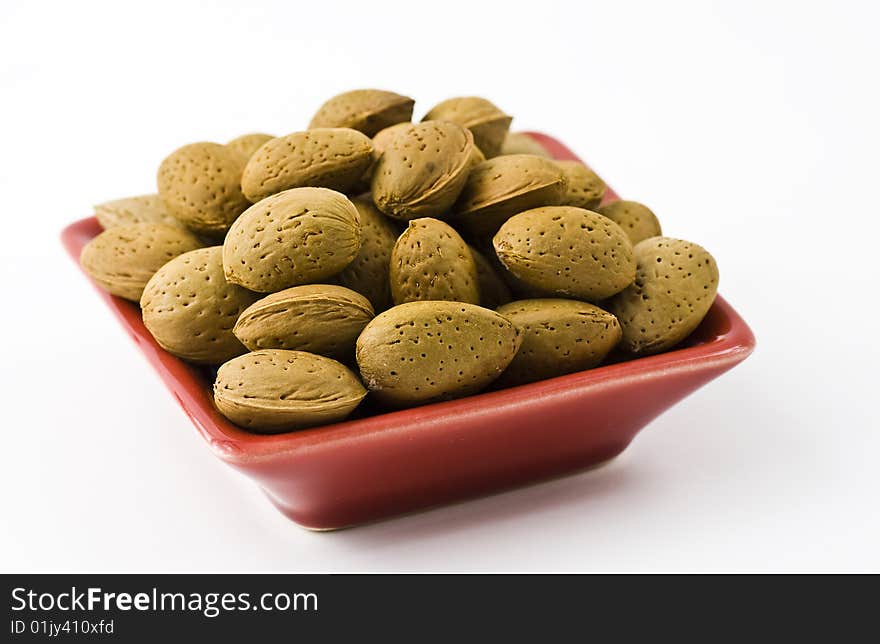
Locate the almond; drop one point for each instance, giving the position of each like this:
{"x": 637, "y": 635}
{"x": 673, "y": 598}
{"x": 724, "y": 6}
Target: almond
{"x": 365, "y": 110}
{"x": 123, "y": 259}
{"x": 421, "y": 170}
{"x": 299, "y": 236}
{"x": 422, "y": 352}
{"x": 487, "y": 123}
{"x": 522, "y": 143}
{"x": 190, "y": 309}
{"x": 567, "y": 251}
{"x": 430, "y": 261}
{"x": 247, "y": 144}
{"x": 135, "y": 210}
{"x": 636, "y": 219}
{"x": 368, "y": 271}
{"x": 200, "y": 185}
{"x": 584, "y": 188}
{"x": 275, "y": 390}
{"x": 333, "y": 158}
{"x": 501, "y": 187}
{"x": 559, "y": 337}
{"x": 674, "y": 288}
{"x": 320, "y": 318}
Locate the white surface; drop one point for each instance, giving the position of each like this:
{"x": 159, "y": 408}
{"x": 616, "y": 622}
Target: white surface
{"x": 751, "y": 130}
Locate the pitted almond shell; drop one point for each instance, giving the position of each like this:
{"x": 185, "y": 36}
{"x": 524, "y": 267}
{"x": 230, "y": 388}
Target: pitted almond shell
{"x": 365, "y": 110}
{"x": 493, "y": 289}
{"x": 567, "y": 251}
{"x": 522, "y": 143}
{"x": 559, "y": 337}
{"x": 334, "y": 158}
{"x": 122, "y": 259}
{"x": 430, "y": 261}
{"x": 584, "y": 187}
{"x": 299, "y": 236}
{"x": 190, "y": 308}
{"x": 247, "y": 144}
{"x": 385, "y": 135}
{"x": 636, "y": 219}
{"x": 422, "y": 352}
{"x": 501, "y": 187}
{"x": 422, "y": 170}
{"x": 368, "y": 271}
{"x": 319, "y": 318}
{"x": 674, "y": 288}
{"x": 200, "y": 184}
{"x": 276, "y": 390}
{"x": 135, "y": 210}
{"x": 487, "y": 122}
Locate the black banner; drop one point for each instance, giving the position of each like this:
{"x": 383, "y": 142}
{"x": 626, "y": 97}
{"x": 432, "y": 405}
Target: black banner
{"x": 245, "y": 608}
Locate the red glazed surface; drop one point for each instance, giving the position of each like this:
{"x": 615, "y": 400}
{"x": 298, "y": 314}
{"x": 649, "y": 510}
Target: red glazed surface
{"x": 373, "y": 467}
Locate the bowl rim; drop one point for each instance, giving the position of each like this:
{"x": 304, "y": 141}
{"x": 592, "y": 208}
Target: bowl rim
{"x": 239, "y": 447}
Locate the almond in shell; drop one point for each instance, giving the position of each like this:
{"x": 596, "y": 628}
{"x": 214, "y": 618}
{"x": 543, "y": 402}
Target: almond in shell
{"x": 247, "y": 144}
{"x": 200, "y": 185}
{"x": 422, "y": 170}
{"x": 501, "y": 187}
{"x": 190, "y": 309}
{"x": 584, "y": 188}
{"x": 637, "y": 220}
{"x": 276, "y": 390}
{"x": 522, "y": 143}
{"x": 568, "y": 251}
{"x": 135, "y": 210}
{"x": 365, "y": 110}
{"x": 486, "y": 121}
{"x": 421, "y": 352}
{"x": 430, "y": 261}
{"x": 674, "y": 288}
{"x": 559, "y": 337}
{"x": 299, "y": 236}
{"x": 319, "y": 318}
{"x": 333, "y": 158}
{"x": 122, "y": 259}
{"x": 368, "y": 271}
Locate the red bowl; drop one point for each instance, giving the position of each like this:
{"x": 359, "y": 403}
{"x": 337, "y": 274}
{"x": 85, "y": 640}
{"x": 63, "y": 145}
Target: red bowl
{"x": 373, "y": 467}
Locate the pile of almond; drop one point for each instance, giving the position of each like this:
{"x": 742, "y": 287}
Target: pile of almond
{"x": 411, "y": 262}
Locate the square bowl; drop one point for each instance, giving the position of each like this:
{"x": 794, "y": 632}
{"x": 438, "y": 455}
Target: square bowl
{"x": 369, "y": 468}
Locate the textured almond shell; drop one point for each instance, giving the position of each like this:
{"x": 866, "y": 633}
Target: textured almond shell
{"x": 487, "y": 122}
{"x": 365, "y": 110}
{"x": 368, "y": 271}
{"x": 299, "y": 236}
{"x": 275, "y": 390}
{"x": 247, "y": 144}
{"x": 559, "y": 337}
{"x": 567, "y": 251}
{"x": 504, "y": 186}
{"x": 200, "y": 184}
{"x": 140, "y": 209}
{"x": 636, "y": 219}
{"x": 430, "y": 261}
{"x": 334, "y": 158}
{"x": 584, "y": 188}
{"x": 190, "y": 308}
{"x": 421, "y": 352}
{"x": 522, "y": 143}
{"x": 122, "y": 259}
{"x": 674, "y": 288}
{"x": 422, "y": 170}
{"x": 319, "y": 318}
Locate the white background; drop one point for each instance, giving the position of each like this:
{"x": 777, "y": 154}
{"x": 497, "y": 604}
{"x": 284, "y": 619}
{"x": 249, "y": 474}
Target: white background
{"x": 750, "y": 128}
